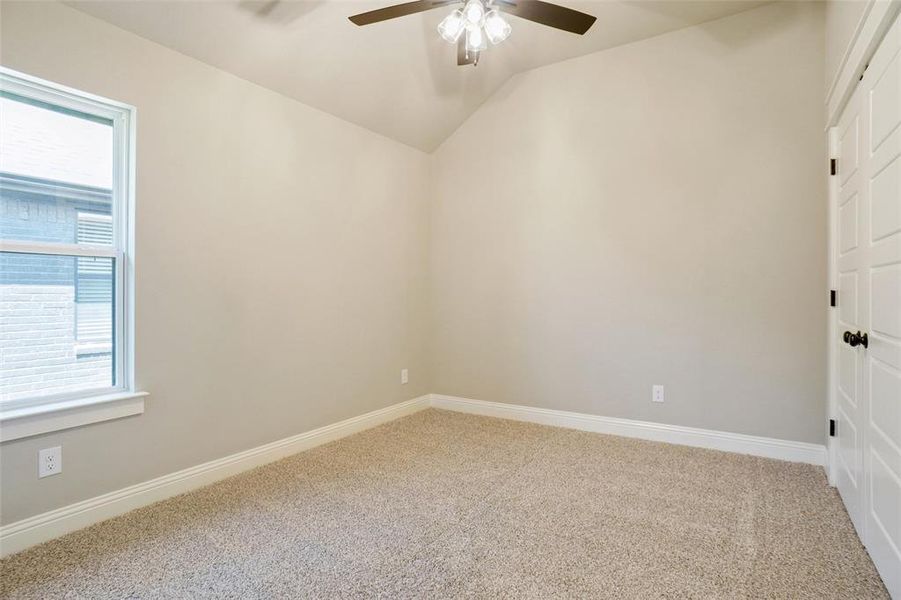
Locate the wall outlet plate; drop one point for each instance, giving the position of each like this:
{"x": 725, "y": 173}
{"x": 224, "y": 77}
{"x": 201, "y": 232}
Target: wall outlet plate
{"x": 404, "y": 376}
{"x": 657, "y": 393}
{"x": 50, "y": 461}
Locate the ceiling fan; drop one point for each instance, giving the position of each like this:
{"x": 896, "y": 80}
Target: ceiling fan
{"x": 480, "y": 21}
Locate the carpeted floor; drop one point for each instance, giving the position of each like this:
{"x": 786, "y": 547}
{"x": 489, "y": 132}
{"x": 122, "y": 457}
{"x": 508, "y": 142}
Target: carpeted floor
{"x": 442, "y": 505}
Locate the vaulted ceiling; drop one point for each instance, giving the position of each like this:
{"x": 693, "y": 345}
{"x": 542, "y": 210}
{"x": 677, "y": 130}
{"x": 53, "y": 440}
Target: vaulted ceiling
{"x": 397, "y": 78}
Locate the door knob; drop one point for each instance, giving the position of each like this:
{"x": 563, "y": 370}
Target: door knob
{"x": 856, "y": 339}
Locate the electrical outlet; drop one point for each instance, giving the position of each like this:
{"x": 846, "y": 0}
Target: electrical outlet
{"x": 50, "y": 461}
{"x": 404, "y": 376}
{"x": 657, "y": 393}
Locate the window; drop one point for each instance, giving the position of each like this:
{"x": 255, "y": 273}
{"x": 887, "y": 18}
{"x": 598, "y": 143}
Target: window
{"x": 65, "y": 253}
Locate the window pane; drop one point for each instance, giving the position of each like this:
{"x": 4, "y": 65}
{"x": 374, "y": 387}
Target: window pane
{"x": 56, "y": 324}
{"x": 54, "y": 166}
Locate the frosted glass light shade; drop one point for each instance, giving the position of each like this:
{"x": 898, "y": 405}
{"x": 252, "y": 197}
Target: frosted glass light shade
{"x": 475, "y": 39}
{"x": 496, "y": 28}
{"x": 474, "y": 11}
{"x": 452, "y": 26}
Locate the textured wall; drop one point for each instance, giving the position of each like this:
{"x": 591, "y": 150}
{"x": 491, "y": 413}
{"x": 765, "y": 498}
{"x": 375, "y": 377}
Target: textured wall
{"x": 650, "y": 214}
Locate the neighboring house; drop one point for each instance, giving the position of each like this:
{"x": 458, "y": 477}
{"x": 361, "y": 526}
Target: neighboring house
{"x": 56, "y": 310}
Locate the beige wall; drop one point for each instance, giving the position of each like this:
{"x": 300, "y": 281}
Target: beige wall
{"x": 650, "y": 214}
{"x": 281, "y": 258}
{"x": 842, "y": 19}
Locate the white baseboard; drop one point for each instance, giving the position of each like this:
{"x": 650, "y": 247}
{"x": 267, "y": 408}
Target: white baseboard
{"x": 803, "y": 452}
{"x": 46, "y": 526}
{"x": 40, "y": 528}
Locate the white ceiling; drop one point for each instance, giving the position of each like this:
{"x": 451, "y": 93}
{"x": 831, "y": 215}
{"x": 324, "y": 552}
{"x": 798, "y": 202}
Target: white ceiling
{"x": 398, "y": 77}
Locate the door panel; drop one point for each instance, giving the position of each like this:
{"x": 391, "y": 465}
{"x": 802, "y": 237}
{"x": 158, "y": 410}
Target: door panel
{"x": 886, "y": 494}
{"x": 847, "y": 375}
{"x": 885, "y": 215}
{"x": 847, "y": 297}
{"x": 885, "y": 98}
{"x": 848, "y": 145}
{"x": 847, "y": 225}
{"x": 885, "y": 382}
{"x": 880, "y": 306}
{"x": 885, "y": 287}
{"x": 849, "y": 460}
{"x": 849, "y": 415}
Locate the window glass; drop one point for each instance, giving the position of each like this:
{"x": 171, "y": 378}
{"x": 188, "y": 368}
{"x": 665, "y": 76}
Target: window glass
{"x": 58, "y": 265}
{"x": 53, "y": 164}
{"x": 57, "y": 325}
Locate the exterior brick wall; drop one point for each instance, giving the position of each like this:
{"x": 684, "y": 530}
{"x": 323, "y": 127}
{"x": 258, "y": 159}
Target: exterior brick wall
{"x": 37, "y": 217}
{"x": 37, "y": 344}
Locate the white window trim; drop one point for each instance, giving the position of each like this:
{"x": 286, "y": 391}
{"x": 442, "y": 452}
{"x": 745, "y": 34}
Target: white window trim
{"x": 34, "y": 416}
{"x": 17, "y": 423}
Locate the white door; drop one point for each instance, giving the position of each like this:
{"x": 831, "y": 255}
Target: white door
{"x": 849, "y": 412}
{"x": 880, "y": 303}
{"x": 868, "y": 260}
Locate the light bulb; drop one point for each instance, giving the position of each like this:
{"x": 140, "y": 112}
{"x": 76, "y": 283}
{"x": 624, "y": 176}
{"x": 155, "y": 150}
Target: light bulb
{"x": 474, "y": 12}
{"x": 496, "y": 28}
{"x": 452, "y": 26}
{"x": 475, "y": 40}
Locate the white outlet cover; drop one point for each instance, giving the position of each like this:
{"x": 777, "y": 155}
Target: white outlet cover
{"x": 657, "y": 393}
{"x": 404, "y": 376}
{"x": 50, "y": 461}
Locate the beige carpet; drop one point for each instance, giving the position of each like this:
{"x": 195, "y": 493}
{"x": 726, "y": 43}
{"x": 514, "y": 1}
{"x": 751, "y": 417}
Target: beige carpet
{"x": 442, "y": 505}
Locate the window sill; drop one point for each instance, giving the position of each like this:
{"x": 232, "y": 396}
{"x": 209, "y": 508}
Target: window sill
{"x": 45, "y": 418}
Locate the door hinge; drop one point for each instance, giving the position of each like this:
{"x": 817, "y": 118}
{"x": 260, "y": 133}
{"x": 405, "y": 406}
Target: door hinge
{"x": 831, "y": 297}
{"x": 831, "y": 427}
{"x": 832, "y": 166}
{"x": 867, "y": 66}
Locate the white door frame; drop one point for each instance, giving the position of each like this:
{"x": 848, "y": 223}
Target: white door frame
{"x": 875, "y": 22}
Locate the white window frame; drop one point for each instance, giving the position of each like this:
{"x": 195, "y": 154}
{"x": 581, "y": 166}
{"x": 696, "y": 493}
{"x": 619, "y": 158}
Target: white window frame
{"x": 31, "y": 416}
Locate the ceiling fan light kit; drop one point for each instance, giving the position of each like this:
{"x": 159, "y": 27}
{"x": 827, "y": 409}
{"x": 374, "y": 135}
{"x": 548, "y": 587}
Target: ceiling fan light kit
{"x": 482, "y": 22}
{"x": 480, "y": 25}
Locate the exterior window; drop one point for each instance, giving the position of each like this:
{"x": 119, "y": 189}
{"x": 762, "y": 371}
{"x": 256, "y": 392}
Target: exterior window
{"x": 65, "y": 254}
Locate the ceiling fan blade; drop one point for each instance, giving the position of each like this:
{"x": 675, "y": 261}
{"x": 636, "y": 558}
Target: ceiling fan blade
{"x": 398, "y": 10}
{"x": 548, "y": 14}
{"x": 464, "y": 57}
